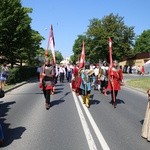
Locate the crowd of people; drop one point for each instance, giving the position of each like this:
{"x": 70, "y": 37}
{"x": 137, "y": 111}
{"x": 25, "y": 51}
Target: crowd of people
{"x": 83, "y": 80}
{"x": 102, "y": 76}
{"x": 140, "y": 70}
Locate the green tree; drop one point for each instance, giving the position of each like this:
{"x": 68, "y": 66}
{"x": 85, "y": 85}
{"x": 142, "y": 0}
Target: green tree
{"x": 97, "y": 34}
{"x": 110, "y": 26}
{"x": 142, "y": 43}
{"x": 18, "y": 42}
{"x": 58, "y": 56}
{"x": 77, "y": 48}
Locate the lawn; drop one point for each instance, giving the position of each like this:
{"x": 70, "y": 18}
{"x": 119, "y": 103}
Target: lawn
{"x": 140, "y": 83}
{"x": 8, "y": 86}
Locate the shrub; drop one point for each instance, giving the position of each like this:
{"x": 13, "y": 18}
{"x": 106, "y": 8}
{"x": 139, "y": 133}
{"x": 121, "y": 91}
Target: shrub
{"x": 16, "y": 75}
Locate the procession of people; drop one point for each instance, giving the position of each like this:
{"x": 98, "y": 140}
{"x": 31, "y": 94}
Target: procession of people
{"x": 108, "y": 78}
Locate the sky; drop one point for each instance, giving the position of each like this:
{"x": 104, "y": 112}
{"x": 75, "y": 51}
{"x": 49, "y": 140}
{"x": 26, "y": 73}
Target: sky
{"x": 70, "y": 18}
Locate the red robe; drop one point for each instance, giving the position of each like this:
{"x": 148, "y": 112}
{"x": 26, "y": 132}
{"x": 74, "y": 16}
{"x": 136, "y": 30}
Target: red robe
{"x": 75, "y": 73}
{"x": 115, "y": 79}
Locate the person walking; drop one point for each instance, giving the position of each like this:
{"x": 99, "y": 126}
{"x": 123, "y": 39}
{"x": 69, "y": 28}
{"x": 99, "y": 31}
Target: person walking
{"x": 115, "y": 80}
{"x": 38, "y": 70}
{"x": 62, "y": 73}
{"x": 85, "y": 85}
{"x": 146, "y": 125}
{"x": 75, "y": 76}
{"x": 69, "y": 73}
{"x": 46, "y": 80}
{"x": 104, "y": 78}
{"x": 142, "y": 70}
{"x": 3, "y": 75}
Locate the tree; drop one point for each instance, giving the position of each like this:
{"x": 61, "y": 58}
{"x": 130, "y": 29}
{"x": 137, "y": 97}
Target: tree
{"x": 142, "y": 43}
{"x": 18, "y": 41}
{"x": 97, "y": 34}
{"x": 58, "y": 56}
{"x": 110, "y": 26}
{"x": 77, "y": 48}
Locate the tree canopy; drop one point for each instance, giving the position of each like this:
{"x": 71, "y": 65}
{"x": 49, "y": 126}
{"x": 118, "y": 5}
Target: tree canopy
{"x": 142, "y": 43}
{"x": 18, "y": 41}
{"x": 97, "y": 34}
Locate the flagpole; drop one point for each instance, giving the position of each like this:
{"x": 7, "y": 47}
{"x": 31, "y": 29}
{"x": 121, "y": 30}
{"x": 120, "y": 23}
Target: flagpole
{"x": 46, "y": 51}
{"x": 51, "y": 45}
{"x": 112, "y": 80}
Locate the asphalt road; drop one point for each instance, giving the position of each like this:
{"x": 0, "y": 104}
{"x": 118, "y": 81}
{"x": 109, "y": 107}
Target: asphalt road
{"x": 68, "y": 125}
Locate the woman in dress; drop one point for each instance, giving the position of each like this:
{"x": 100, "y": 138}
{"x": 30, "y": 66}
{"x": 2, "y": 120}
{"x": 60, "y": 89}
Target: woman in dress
{"x": 115, "y": 77}
{"x": 47, "y": 79}
{"x": 146, "y": 124}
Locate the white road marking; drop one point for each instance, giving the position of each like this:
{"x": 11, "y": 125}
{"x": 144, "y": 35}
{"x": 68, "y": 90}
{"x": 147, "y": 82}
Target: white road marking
{"x": 95, "y": 127}
{"x": 90, "y": 140}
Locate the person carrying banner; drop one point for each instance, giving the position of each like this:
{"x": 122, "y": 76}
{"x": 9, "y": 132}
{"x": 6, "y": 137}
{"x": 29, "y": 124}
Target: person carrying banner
{"x": 115, "y": 80}
{"x": 46, "y": 81}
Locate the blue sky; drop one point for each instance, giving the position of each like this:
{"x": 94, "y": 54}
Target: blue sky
{"x": 71, "y": 17}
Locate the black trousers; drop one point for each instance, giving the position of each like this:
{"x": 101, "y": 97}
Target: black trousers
{"x": 61, "y": 77}
{"x": 114, "y": 96}
{"x": 47, "y": 94}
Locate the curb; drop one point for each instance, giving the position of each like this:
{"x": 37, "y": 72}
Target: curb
{"x": 135, "y": 89}
{"x": 16, "y": 86}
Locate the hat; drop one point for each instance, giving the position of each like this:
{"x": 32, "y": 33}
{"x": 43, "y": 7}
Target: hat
{"x": 80, "y": 70}
{"x": 77, "y": 62}
{"x": 90, "y": 72}
{"x": 104, "y": 62}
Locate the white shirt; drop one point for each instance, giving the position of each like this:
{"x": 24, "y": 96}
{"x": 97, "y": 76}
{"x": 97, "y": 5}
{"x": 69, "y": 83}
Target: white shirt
{"x": 62, "y": 70}
{"x": 96, "y": 71}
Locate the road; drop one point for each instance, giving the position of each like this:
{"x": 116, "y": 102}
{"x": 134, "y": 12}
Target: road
{"x": 68, "y": 125}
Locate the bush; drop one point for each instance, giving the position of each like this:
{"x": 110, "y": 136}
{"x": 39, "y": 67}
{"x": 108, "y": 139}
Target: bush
{"x": 16, "y": 75}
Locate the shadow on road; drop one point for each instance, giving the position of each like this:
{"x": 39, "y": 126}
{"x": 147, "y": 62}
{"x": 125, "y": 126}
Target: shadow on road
{"x": 58, "y": 89}
{"x": 142, "y": 121}
{"x": 10, "y": 134}
{"x": 93, "y": 101}
{"x": 56, "y": 102}
{"x": 119, "y": 101}
{"x": 60, "y": 100}
{"x": 59, "y": 85}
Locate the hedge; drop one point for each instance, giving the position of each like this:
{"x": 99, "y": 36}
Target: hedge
{"x": 16, "y": 75}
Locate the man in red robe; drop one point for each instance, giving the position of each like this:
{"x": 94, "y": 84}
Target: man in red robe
{"x": 115, "y": 77}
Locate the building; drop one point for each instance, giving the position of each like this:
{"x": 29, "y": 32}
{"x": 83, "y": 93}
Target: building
{"x": 137, "y": 60}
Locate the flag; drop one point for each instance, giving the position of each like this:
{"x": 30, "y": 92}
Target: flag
{"x": 110, "y": 51}
{"x": 51, "y": 44}
{"x": 82, "y": 58}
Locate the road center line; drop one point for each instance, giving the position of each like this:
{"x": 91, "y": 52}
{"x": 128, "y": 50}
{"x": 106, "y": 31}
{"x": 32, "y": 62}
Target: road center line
{"x": 95, "y": 127}
{"x": 90, "y": 141}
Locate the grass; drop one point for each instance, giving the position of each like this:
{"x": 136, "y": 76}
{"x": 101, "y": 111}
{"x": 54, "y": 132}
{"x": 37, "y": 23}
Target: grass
{"x": 8, "y": 86}
{"x": 142, "y": 83}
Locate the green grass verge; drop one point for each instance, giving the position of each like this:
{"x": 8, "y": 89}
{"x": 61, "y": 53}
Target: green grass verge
{"x": 142, "y": 83}
{"x": 8, "y": 86}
